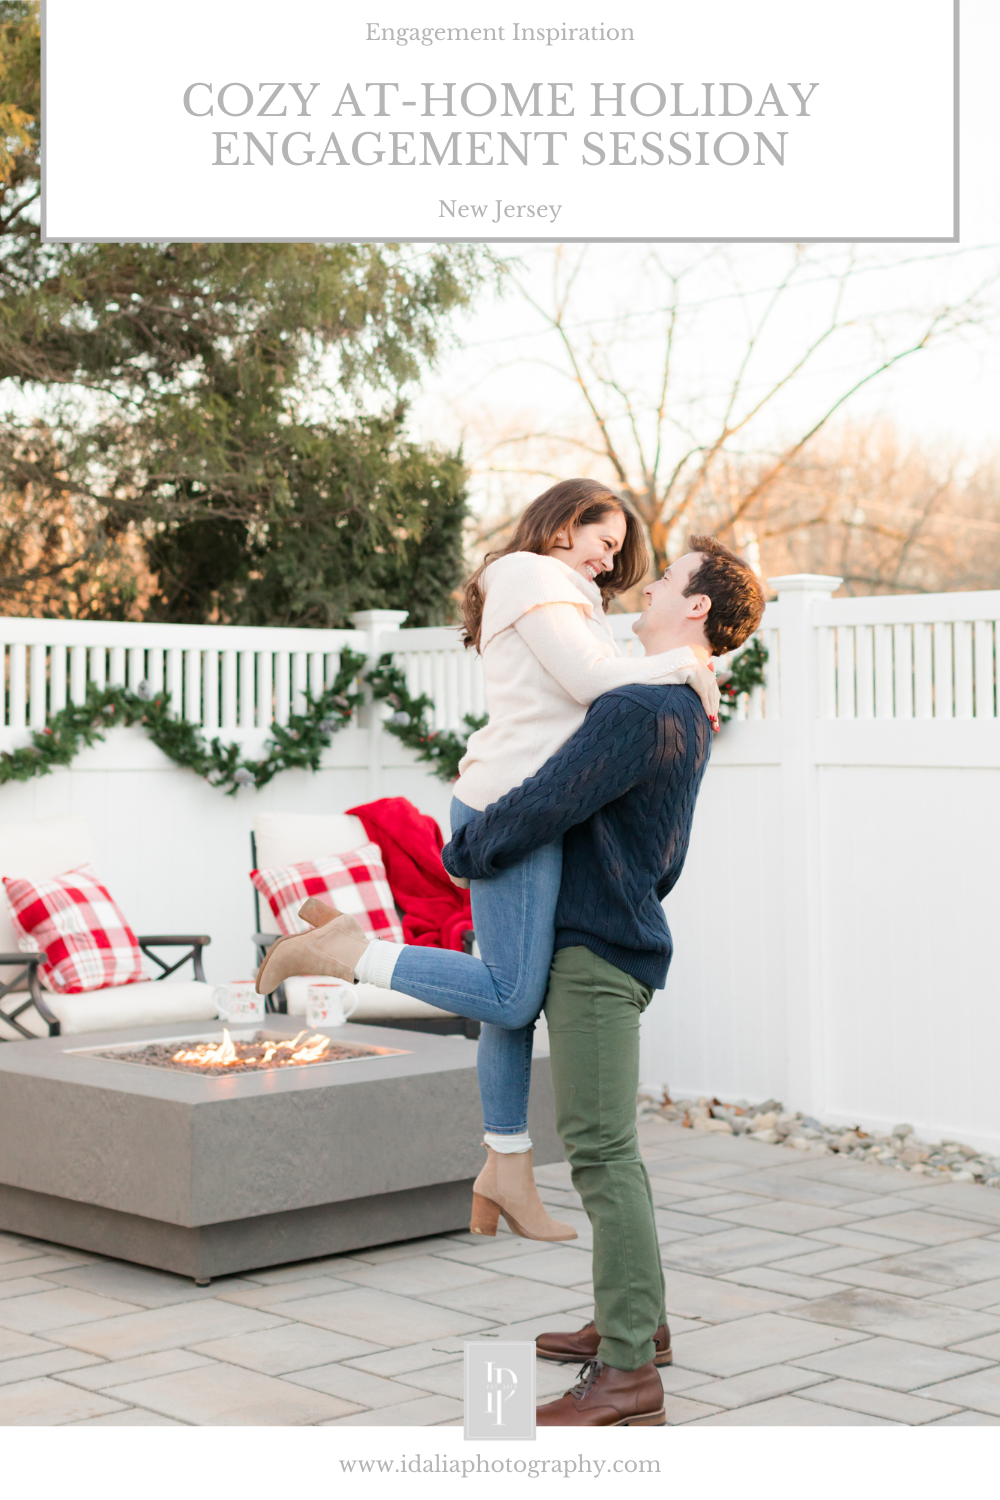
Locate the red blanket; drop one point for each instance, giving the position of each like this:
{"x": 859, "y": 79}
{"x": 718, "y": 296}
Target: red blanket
{"x": 435, "y": 913}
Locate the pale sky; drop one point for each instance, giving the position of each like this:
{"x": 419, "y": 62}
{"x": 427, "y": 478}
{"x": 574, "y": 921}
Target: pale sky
{"x": 506, "y": 375}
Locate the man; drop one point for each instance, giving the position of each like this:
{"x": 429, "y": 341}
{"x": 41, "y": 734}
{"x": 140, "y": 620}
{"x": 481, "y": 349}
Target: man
{"x": 621, "y": 793}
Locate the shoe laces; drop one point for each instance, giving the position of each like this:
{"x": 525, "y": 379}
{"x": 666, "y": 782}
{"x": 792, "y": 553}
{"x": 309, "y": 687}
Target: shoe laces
{"x": 588, "y": 1375}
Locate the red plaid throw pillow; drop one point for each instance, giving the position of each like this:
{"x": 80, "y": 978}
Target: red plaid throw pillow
{"x": 353, "y": 882}
{"x": 88, "y": 942}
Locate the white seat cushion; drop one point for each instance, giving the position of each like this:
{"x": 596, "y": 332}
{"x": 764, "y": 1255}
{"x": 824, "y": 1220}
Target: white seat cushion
{"x": 148, "y": 1003}
{"x": 292, "y": 838}
{"x": 373, "y": 1003}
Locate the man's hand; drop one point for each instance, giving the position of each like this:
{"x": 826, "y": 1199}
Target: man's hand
{"x": 458, "y": 880}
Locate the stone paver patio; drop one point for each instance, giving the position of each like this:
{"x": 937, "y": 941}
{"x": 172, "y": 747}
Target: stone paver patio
{"x": 803, "y": 1290}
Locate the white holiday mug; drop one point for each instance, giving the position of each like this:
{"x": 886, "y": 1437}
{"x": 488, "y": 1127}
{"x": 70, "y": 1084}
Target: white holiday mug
{"x": 239, "y": 1001}
{"x": 327, "y": 1003}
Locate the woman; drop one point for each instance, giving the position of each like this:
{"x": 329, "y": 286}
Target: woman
{"x": 535, "y": 611}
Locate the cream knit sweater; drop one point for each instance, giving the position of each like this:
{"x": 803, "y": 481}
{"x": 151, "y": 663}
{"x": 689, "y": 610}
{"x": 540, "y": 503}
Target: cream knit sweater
{"x": 547, "y": 653}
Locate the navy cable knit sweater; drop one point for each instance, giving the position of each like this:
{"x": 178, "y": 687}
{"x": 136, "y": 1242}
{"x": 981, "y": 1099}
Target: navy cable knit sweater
{"x": 621, "y": 793}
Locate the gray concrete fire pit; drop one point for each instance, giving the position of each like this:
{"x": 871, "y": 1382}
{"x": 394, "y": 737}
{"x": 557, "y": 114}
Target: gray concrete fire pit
{"x": 208, "y": 1175}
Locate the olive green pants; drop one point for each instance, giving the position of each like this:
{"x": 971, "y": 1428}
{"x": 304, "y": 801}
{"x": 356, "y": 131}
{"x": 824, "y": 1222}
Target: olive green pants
{"x": 593, "y": 1012}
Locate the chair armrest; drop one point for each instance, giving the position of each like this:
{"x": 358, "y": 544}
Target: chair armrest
{"x": 175, "y": 940}
{"x": 193, "y": 942}
{"x": 262, "y": 941}
{"x": 276, "y": 1000}
{"x": 28, "y": 964}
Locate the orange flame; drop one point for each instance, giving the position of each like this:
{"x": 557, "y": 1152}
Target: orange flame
{"x": 312, "y": 1050}
{"x": 205, "y": 1055}
{"x": 299, "y": 1049}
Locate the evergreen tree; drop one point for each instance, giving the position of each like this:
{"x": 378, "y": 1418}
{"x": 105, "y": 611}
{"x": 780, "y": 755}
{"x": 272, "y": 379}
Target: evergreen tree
{"x": 233, "y": 414}
{"x": 370, "y": 521}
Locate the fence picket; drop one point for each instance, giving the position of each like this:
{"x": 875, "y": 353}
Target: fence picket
{"x": 57, "y": 678}
{"x": 883, "y": 672}
{"x": 299, "y": 680}
{"x": 18, "y": 686}
{"x": 846, "y": 674}
{"x": 772, "y": 674}
{"x": 192, "y": 686}
{"x": 210, "y": 691}
{"x": 923, "y": 671}
{"x": 315, "y": 673}
{"x": 99, "y": 667}
{"x": 864, "y": 645}
{"x": 136, "y": 666}
{"x": 175, "y": 679}
{"x": 77, "y": 674}
{"x": 37, "y": 706}
{"x": 154, "y": 669}
{"x": 902, "y": 646}
{"x": 248, "y": 688}
{"x": 265, "y": 689}
{"x": 229, "y": 674}
{"x": 828, "y": 660}
{"x": 116, "y": 666}
{"x": 454, "y": 716}
{"x": 944, "y": 707}
{"x": 985, "y": 671}
{"x": 962, "y": 637}
{"x": 438, "y": 691}
{"x": 282, "y": 686}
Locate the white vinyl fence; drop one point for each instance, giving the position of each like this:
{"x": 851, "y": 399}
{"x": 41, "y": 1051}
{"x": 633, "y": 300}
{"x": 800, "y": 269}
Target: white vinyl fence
{"x": 834, "y": 926}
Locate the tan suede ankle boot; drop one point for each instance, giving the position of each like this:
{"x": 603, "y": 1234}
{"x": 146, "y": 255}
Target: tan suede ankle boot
{"x": 506, "y": 1185}
{"x": 332, "y": 949}
{"x": 317, "y": 913}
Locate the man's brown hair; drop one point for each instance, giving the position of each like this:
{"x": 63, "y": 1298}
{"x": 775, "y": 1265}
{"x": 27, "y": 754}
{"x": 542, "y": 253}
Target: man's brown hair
{"x": 734, "y": 589}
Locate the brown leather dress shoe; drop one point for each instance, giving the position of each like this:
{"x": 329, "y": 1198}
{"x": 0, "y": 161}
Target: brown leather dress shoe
{"x": 606, "y": 1397}
{"x": 567, "y": 1348}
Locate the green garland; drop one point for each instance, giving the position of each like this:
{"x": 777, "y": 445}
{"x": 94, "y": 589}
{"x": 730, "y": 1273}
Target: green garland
{"x": 443, "y": 748}
{"x": 410, "y": 722}
{"x": 746, "y": 672}
{"x": 296, "y": 745}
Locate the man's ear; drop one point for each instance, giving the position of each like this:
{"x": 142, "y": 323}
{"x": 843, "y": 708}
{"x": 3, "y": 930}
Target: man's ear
{"x": 698, "y": 606}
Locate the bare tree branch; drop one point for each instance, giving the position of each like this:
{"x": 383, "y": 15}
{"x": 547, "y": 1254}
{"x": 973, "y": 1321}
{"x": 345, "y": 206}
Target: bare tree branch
{"x": 664, "y": 448}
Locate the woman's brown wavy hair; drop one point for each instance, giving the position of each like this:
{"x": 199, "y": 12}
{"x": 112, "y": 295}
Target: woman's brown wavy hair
{"x": 567, "y": 505}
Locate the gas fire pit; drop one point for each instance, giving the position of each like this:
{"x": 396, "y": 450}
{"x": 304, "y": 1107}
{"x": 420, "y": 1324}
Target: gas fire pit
{"x": 188, "y": 1151}
{"x": 245, "y": 1052}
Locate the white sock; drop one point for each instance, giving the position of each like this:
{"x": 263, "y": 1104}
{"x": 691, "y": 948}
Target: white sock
{"x": 508, "y": 1144}
{"x": 376, "y": 964}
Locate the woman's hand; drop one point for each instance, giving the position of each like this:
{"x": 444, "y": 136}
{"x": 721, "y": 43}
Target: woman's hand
{"x": 707, "y": 688}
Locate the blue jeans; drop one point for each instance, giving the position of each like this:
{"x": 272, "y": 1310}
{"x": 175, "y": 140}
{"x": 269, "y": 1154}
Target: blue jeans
{"x": 514, "y": 916}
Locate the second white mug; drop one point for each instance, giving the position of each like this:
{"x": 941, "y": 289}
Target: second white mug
{"x": 239, "y": 1001}
{"x": 329, "y": 1003}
